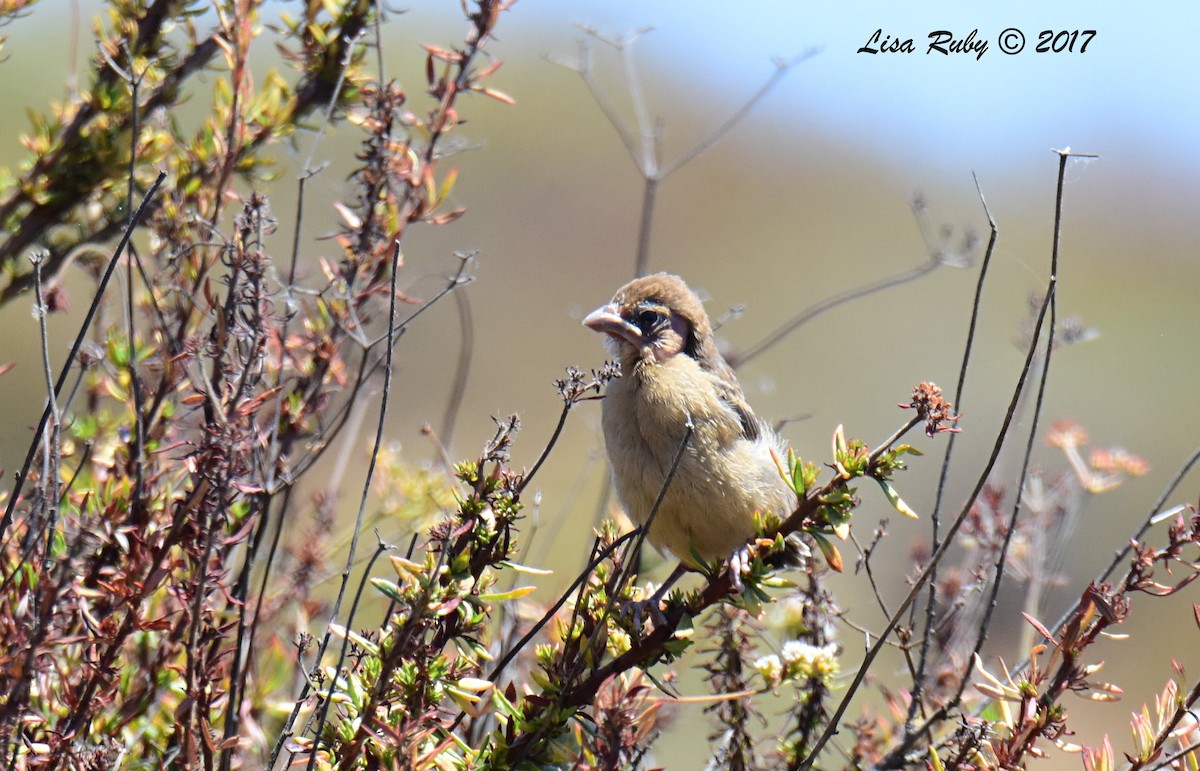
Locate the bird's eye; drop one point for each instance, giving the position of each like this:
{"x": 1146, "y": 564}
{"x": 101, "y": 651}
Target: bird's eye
{"x": 648, "y": 320}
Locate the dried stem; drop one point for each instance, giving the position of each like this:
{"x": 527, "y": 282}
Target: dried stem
{"x": 15, "y": 495}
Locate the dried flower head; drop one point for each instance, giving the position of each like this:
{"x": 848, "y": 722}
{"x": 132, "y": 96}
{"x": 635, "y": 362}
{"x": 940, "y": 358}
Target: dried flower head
{"x": 933, "y": 409}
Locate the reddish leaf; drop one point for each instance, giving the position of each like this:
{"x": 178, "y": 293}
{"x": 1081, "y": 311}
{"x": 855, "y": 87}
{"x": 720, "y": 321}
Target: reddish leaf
{"x": 1042, "y": 630}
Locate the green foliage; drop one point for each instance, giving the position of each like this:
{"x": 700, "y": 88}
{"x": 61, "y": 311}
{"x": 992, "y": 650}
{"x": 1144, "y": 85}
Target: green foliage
{"x": 148, "y": 587}
{"x": 157, "y": 55}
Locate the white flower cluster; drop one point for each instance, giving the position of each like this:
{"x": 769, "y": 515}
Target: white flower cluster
{"x": 798, "y": 661}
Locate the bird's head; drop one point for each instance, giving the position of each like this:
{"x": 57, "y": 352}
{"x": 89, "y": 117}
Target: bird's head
{"x": 653, "y": 319}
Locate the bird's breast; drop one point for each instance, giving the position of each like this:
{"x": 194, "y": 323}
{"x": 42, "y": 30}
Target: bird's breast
{"x": 721, "y": 479}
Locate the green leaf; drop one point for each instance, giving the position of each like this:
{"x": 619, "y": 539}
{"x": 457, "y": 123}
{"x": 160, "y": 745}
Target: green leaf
{"x": 686, "y": 628}
{"x": 894, "y": 498}
{"x": 829, "y": 551}
{"x": 512, "y": 594}
{"x": 447, "y": 184}
{"x": 389, "y": 589}
{"x": 340, "y": 631}
{"x": 525, "y": 569}
{"x": 58, "y": 544}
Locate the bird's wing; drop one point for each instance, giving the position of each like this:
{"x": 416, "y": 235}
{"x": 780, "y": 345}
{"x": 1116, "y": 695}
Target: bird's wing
{"x": 731, "y": 394}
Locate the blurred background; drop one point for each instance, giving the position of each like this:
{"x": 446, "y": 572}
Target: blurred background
{"x": 809, "y": 196}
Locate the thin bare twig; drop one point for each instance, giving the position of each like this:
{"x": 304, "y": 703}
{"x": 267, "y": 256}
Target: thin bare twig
{"x": 1149, "y": 519}
{"x": 782, "y": 68}
{"x": 462, "y": 372}
{"x": 362, "y": 501}
{"x": 934, "y": 262}
{"x": 938, "y": 554}
{"x": 52, "y": 449}
{"x": 944, "y": 476}
{"x": 134, "y": 81}
{"x": 380, "y": 548}
{"x": 66, "y": 368}
{"x": 1047, "y": 305}
{"x": 643, "y": 142}
{"x": 627, "y": 574}
{"x": 593, "y": 563}
{"x": 998, "y": 570}
{"x": 562, "y": 421}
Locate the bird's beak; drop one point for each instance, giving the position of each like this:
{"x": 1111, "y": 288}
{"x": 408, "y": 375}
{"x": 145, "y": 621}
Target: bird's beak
{"x": 607, "y": 319}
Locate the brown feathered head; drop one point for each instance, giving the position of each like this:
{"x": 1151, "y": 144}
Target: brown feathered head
{"x": 656, "y": 317}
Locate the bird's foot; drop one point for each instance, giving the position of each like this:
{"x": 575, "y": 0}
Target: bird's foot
{"x": 638, "y": 611}
{"x": 795, "y": 553}
{"x": 739, "y": 565}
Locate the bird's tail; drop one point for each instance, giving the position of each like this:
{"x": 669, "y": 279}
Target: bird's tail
{"x": 796, "y": 553}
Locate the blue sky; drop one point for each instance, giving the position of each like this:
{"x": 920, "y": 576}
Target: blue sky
{"x": 1137, "y": 81}
{"x": 1134, "y": 91}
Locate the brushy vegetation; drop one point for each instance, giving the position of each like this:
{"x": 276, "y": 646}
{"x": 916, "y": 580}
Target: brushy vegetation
{"x": 158, "y": 559}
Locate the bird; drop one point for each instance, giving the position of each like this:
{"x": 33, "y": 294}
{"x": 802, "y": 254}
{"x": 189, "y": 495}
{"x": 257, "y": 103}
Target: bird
{"x": 673, "y": 377}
